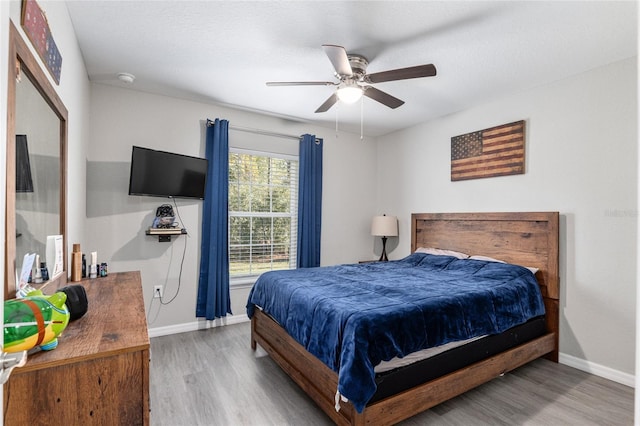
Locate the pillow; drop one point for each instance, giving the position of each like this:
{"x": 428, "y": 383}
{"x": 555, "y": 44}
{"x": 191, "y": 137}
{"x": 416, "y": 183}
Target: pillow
{"x": 491, "y": 259}
{"x": 486, "y": 258}
{"x": 441, "y": 252}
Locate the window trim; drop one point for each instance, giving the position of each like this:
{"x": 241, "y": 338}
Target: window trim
{"x": 247, "y": 281}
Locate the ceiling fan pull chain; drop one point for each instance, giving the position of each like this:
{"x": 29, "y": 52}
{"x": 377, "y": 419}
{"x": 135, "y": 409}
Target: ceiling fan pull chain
{"x": 337, "y": 121}
{"x": 362, "y": 118}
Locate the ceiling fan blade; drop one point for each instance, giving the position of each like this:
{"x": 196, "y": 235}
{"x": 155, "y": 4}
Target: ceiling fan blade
{"x": 402, "y": 74}
{"x": 301, "y": 83}
{"x": 328, "y": 103}
{"x": 338, "y": 57}
{"x": 382, "y": 97}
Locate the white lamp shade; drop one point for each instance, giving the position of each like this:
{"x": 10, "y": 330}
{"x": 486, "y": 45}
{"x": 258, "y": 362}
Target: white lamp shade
{"x": 384, "y": 226}
{"x": 349, "y": 94}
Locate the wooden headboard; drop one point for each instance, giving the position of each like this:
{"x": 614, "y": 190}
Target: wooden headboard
{"x": 523, "y": 238}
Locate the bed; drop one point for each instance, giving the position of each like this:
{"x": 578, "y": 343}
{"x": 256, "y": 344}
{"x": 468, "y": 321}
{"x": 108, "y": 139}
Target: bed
{"x": 527, "y": 239}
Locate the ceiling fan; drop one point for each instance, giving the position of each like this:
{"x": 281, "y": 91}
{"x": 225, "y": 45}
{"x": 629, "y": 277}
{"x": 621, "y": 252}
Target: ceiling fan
{"x": 353, "y": 80}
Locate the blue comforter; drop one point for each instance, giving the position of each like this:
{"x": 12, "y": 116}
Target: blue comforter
{"x": 353, "y": 316}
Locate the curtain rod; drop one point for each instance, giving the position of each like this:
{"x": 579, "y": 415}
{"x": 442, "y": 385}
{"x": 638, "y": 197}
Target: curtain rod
{"x": 261, "y": 132}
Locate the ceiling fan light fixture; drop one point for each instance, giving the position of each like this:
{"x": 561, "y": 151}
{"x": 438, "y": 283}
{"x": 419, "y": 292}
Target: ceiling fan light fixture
{"x": 349, "y": 94}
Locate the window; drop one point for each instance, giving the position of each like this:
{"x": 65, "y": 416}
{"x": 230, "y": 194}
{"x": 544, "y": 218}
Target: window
{"x": 263, "y": 212}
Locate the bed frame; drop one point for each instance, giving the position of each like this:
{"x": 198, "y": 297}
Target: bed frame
{"x": 527, "y": 239}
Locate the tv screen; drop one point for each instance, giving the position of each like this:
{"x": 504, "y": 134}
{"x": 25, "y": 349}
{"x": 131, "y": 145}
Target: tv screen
{"x": 165, "y": 174}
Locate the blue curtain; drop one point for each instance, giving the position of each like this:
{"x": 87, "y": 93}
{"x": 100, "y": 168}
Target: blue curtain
{"x": 213, "y": 284}
{"x": 309, "y": 201}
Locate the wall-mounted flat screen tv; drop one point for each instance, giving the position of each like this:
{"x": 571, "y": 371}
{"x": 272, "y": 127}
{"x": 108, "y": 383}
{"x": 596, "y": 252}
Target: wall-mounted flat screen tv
{"x": 165, "y": 174}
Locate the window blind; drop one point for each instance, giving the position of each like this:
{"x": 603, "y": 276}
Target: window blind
{"x": 263, "y": 197}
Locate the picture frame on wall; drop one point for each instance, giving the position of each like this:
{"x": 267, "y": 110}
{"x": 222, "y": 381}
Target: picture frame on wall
{"x": 36, "y": 26}
{"x": 497, "y": 151}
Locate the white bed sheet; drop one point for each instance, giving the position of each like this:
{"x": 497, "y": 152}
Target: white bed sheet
{"x": 420, "y": 355}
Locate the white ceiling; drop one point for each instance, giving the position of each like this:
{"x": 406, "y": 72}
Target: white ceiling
{"x": 225, "y": 51}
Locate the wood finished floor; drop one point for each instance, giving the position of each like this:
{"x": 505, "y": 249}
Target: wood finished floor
{"x": 212, "y": 377}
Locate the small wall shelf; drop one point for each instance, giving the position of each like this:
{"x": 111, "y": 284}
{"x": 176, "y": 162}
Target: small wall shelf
{"x": 164, "y": 234}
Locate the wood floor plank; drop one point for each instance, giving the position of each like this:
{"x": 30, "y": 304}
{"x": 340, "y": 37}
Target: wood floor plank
{"x": 212, "y": 377}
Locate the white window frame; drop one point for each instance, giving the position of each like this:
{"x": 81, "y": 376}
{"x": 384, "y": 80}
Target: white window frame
{"x": 249, "y": 280}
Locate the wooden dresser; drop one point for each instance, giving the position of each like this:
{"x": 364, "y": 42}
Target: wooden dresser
{"x": 99, "y": 373}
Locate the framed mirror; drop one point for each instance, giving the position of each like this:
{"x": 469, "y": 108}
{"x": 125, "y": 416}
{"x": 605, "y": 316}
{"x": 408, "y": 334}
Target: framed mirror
{"x": 36, "y": 163}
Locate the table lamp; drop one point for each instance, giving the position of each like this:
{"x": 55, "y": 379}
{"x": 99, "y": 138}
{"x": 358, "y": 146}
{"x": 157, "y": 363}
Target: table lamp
{"x": 384, "y": 226}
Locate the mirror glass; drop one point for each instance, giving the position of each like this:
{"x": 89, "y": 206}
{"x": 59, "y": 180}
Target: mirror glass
{"x": 37, "y": 208}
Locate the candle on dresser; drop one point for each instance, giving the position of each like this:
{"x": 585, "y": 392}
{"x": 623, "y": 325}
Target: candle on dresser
{"x": 76, "y": 263}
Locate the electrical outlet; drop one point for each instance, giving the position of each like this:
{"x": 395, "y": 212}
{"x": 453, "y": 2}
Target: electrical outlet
{"x": 158, "y": 292}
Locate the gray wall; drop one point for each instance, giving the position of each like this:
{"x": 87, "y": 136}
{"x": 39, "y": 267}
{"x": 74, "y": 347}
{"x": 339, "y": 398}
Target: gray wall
{"x": 581, "y": 160}
{"x": 116, "y": 221}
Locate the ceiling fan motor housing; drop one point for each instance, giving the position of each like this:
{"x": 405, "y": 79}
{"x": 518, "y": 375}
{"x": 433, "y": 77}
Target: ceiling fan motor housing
{"x": 358, "y": 65}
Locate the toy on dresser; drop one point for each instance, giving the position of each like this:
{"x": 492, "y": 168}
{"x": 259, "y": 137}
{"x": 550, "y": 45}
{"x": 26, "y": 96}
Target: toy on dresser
{"x": 34, "y": 320}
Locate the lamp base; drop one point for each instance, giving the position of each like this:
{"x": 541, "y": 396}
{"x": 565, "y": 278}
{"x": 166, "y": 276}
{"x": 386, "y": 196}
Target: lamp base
{"x": 383, "y": 256}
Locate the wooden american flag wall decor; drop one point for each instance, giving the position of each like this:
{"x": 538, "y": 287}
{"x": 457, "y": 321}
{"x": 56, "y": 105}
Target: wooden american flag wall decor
{"x": 498, "y": 151}
{"x": 36, "y": 26}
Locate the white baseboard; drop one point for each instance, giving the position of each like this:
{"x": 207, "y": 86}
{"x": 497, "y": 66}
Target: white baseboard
{"x": 200, "y": 324}
{"x": 579, "y": 363}
{"x": 598, "y": 370}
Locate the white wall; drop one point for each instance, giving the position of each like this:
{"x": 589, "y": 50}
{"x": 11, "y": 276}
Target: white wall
{"x": 116, "y": 222}
{"x": 581, "y": 160}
